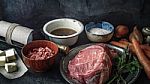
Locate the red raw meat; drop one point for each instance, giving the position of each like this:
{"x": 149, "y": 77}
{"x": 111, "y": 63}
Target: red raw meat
{"x": 89, "y": 62}
{"x": 41, "y": 53}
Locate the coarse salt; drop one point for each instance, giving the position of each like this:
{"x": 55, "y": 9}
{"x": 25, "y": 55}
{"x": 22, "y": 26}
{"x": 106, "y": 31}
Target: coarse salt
{"x": 99, "y": 31}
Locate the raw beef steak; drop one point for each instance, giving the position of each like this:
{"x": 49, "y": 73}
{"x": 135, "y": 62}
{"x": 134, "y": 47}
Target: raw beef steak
{"x": 90, "y": 62}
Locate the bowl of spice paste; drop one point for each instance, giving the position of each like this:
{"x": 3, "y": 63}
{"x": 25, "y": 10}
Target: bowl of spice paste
{"x": 99, "y": 32}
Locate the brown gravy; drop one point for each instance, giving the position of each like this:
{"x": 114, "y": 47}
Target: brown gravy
{"x": 63, "y": 32}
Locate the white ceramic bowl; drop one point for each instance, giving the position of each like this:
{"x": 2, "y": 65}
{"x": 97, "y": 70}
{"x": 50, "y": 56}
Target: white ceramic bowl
{"x": 63, "y": 23}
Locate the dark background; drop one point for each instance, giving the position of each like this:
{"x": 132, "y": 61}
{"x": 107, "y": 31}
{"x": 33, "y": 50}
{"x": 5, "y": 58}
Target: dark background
{"x": 35, "y": 13}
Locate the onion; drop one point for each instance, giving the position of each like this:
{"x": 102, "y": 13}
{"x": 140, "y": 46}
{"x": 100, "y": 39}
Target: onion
{"x": 121, "y": 31}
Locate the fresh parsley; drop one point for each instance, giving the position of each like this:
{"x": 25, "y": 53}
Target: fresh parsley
{"x": 123, "y": 64}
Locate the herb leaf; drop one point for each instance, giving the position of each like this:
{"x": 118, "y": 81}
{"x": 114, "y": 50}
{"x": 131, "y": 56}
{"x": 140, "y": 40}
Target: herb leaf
{"x": 123, "y": 64}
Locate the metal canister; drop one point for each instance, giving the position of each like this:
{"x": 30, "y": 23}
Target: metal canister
{"x": 148, "y": 39}
{"x": 146, "y": 31}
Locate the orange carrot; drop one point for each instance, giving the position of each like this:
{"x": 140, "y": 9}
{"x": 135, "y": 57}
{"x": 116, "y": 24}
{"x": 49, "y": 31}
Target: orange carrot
{"x": 141, "y": 56}
{"x": 118, "y": 44}
{"x": 124, "y": 44}
{"x": 147, "y": 53}
{"x": 145, "y": 47}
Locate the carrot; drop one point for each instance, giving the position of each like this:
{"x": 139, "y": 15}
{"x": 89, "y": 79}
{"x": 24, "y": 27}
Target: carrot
{"x": 118, "y": 44}
{"x": 136, "y": 34}
{"x": 124, "y": 44}
{"x": 145, "y": 47}
{"x": 141, "y": 56}
{"x": 147, "y": 53}
{"x": 128, "y": 44}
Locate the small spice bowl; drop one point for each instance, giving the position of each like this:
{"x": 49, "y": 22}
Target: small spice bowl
{"x": 39, "y": 65}
{"x": 99, "y": 32}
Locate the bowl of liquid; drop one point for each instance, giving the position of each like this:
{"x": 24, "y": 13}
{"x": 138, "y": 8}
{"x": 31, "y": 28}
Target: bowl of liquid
{"x": 64, "y": 31}
{"x": 99, "y": 32}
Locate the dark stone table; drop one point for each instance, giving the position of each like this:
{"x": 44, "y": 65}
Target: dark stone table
{"x": 35, "y": 13}
{"x": 53, "y": 76}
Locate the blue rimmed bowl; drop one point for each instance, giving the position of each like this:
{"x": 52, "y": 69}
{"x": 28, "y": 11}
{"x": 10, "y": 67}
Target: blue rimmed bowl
{"x": 100, "y": 36}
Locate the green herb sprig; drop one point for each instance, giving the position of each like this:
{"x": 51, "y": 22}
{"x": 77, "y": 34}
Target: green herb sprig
{"x": 123, "y": 64}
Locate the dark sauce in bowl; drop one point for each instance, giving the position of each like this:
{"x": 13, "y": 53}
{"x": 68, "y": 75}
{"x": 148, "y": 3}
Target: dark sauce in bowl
{"x": 63, "y": 32}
